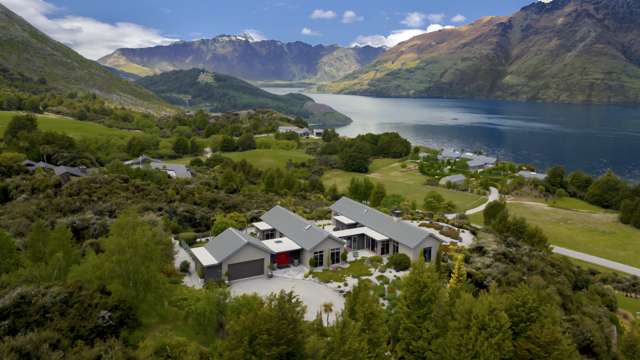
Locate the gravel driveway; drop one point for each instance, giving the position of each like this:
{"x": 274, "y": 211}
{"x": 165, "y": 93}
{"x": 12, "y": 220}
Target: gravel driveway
{"x": 312, "y": 294}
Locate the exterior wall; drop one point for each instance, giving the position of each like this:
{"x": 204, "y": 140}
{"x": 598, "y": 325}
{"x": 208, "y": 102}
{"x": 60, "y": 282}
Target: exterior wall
{"x": 326, "y": 246}
{"x": 212, "y": 273}
{"x": 415, "y": 253}
{"x": 247, "y": 253}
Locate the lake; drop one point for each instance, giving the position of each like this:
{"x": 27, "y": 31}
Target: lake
{"x": 592, "y": 138}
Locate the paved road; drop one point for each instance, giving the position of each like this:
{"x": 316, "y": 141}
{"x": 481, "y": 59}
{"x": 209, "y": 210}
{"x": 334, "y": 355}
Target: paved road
{"x": 494, "y": 195}
{"x": 597, "y": 260}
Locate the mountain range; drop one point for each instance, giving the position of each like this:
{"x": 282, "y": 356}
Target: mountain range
{"x": 570, "y": 51}
{"x": 202, "y": 89}
{"x": 26, "y": 50}
{"x": 243, "y": 57}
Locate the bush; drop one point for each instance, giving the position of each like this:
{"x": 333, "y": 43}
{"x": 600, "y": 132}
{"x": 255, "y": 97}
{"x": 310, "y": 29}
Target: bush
{"x": 375, "y": 261}
{"x": 185, "y": 267}
{"x": 343, "y": 256}
{"x": 188, "y": 237}
{"x": 312, "y": 263}
{"x": 400, "y": 262}
{"x": 451, "y": 233}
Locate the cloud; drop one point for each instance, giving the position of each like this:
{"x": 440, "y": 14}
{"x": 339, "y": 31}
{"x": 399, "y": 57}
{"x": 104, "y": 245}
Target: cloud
{"x": 414, "y": 19}
{"x": 254, "y": 35}
{"x": 90, "y": 37}
{"x": 350, "y": 16}
{"x": 435, "y": 18}
{"x": 459, "y": 18}
{"x": 308, "y": 32}
{"x": 396, "y": 36}
{"x": 323, "y": 14}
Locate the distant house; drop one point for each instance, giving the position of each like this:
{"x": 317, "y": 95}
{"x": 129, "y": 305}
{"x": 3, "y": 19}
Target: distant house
{"x": 453, "y": 179}
{"x": 479, "y": 162}
{"x": 365, "y": 228}
{"x": 303, "y": 132}
{"x": 318, "y": 132}
{"x": 65, "y": 172}
{"x": 449, "y": 154}
{"x": 532, "y": 175}
{"x": 175, "y": 171}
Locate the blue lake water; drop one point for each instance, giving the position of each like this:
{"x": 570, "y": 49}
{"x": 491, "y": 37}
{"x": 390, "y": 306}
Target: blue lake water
{"x": 587, "y": 137}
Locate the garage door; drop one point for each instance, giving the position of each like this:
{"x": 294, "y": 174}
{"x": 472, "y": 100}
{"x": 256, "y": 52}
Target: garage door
{"x": 246, "y": 269}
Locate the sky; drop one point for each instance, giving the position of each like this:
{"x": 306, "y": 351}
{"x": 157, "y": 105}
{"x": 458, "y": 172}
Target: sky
{"x": 96, "y": 28}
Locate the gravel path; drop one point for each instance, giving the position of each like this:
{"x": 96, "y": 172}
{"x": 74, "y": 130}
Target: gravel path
{"x": 312, "y": 294}
{"x": 494, "y": 195}
{"x": 597, "y": 260}
{"x": 191, "y": 279}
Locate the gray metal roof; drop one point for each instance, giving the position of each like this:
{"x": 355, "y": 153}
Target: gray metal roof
{"x": 393, "y": 228}
{"x": 142, "y": 159}
{"x": 180, "y": 171}
{"x": 532, "y": 175}
{"x": 452, "y": 179}
{"x": 229, "y": 242}
{"x": 295, "y": 227}
{"x": 73, "y": 171}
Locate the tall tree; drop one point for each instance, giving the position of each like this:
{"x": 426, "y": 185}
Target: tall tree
{"x": 363, "y": 307}
{"x": 377, "y": 195}
{"x": 10, "y": 259}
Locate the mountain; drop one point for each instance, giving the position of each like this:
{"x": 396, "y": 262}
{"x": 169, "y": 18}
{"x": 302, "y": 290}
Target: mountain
{"x": 26, "y": 50}
{"x": 201, "y": 89}
{"x": 245, "y": 58}
{"x": 570, "y": 51}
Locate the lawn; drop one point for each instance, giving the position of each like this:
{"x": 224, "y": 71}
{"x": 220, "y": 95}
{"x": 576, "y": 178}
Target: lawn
{"x": 71, "y": 127}
{"x": 629, "y": 304}
{"x": 599, "y": 234}
{"x": 569, "y": 203}
{"x": 406, "y": 182}
{"x": 355, "y": 269}
{"x": 269, "y": 158}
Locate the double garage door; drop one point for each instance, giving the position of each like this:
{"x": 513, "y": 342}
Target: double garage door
{"x": 245, "y": 269}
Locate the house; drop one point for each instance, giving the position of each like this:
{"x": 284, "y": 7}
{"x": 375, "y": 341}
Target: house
{"x": 479, "y": 162}
{"x": 232, "y": 255}
{"x": 532, "y": 175}
{"x": 293, "y": 238}
{"x": 65, "y": 172}
{"x": 173, "y": 170}
{"x": 449, "y": 154}
{"x": 318, "y": 132}
{"x": 365, "y": 228}
{"x": 453, "y": 179}
{"x": 303, "y": 132}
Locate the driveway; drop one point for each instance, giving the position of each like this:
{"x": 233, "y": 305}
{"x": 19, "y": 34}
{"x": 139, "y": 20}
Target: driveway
{"x": 494, "y": 195}
{"x": 312, "y": 294}
{"x": 597, "y": 260}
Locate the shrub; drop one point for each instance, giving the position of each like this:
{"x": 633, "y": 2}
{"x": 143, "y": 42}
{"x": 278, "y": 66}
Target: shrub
{"x": 375, "y": 261}
{"x": 188, "y": 237}
{"x": 382, "y": 279}
{"x": 451, "y": 233}
{"x": 400, "y": 262}
{"x": 185, "y": 267}
{"x": 343, "y": 256}
{"x": 312, "y": 263}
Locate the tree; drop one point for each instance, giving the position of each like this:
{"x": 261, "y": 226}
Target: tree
{"x": 607, "y": 191}
{"x": 492, "y": 210}
{"x": 377, "y": 195}
{"x": 630, "y": 343}
{"x": 355, "y": 159}
{"x": 182, "y": 146}
{"x": 327, "y": 309}
{"x": 332, "y": 193}
{"x": 11, "y": 164}
{"x": 555, "y": 178}
{"x": 434, "y": 202}
{"x": 246, "y": 142}
{"x": 26, "y": 123}
{"x": 140, "y": 144}
{"x": 459, "y": 273}
{"x": 36, "y": 244}
{"x": 194, "y": 147}
{"x": 10, "y": 259}
{"x": 62, "y": 252}
{"x": 223, "y": 222}
{"x": 578, "y": 183}
{"x": 206, "y": 310}
{"x": 362, "y": 306}
{"x": 330, "y": 135}
{"x": 227, "y": 144}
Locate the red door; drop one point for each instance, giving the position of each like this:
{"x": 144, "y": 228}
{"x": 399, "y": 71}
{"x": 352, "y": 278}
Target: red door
{"x": 282, "y": 259}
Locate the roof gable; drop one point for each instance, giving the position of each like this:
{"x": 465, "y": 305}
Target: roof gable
{"x": 231, "y": 241}
{"x": 295, "y": 227}
{"x": 395, "y": 229}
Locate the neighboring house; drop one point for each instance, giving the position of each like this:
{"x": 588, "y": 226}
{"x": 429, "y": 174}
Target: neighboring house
{"x": 365, "y": 228}
{"x": 173, "y": 170}
{"x": 303, "y": 132}
{"x": 479, "y": 162}
{"x": 532, "y": 175}
{"x": 449, "y": 154}
{"x": 65, "y": 172}
{"x": 453, "y": 179}
{"x": 318, "y": 132}
{"x": 232, "y": 255}
{"x": 293, "y": 238}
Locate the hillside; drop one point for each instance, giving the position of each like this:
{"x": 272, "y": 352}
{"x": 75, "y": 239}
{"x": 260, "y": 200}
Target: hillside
{"x": 570, "y": 51}
{"x": 242, "y": 57}
{"x": 26, "y": 50}
{"x": 201, "y": 89}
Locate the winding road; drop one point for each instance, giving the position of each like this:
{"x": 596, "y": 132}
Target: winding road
{"x": 494, "y": 195}
{"x": 597, "y": 260}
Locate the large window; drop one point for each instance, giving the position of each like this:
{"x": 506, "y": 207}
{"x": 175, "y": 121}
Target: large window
{"x": 384, "y": 247}
{"x": 396, "y": 247}
{"x": 269, "y": 234}
{"x": 335, "y": 256}
{"x": 426, "y": 252}
{"x": 318, "y": 256}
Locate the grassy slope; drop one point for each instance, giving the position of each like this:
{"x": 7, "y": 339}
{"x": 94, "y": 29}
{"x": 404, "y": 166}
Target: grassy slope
{"x": 71, "y": 127}
{"x": 406, "y": 182}
{"x": 269, "y": 158}
{"x": 629, "y": 304}
{"x": 596, "y": 233}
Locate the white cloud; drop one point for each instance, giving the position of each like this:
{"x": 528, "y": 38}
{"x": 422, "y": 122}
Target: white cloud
{"x": 254, "y": 35}
{"x": 90, "y": 37}
{"x": 308, "y": 32}
{"x": 350, "y": 16}
{"x": 323, "y": 14}
{"x": 414, "y": 19}
{"x": 396, "y": 36}
{"x": 459, "y": 18}
{"x": 435, "y": 18}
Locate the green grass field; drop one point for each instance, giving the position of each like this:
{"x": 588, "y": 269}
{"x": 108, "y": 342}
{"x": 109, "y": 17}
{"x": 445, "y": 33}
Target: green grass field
{"x": 629, "y": 304}
{"x": 269, "y": 158}
{"x": 71, "y": 127}
{"x": 599, "y": 234}
{"x": 406, "y": 182}
{"x": 569, "y": 203}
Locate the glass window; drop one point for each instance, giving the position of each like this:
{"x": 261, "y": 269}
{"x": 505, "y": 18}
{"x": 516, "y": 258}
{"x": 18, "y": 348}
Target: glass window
{"x": 318, "y": 256}
{"x": 384, "y": 247}
{"x": 427, "y": 254}
{"x": 396, "y": 247}
{"x": 335, "y": 256}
